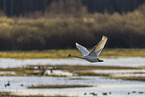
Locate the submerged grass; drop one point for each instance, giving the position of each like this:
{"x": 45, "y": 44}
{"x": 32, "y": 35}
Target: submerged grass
{"x": 63, "y": 53}
{"x": 58, "y": 86}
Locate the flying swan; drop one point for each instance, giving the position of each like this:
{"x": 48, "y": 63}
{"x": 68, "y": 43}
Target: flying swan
{"x": 91, "y": 56}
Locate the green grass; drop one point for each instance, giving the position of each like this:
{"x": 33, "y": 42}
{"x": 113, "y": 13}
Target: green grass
{"x": 63, "y": 53}
{"x": 57, "y": 86}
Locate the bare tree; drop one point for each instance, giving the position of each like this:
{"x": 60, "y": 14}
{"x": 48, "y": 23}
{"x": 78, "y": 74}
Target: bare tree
{"x": 5, "y": 6}
{"x": 2, "y": 13}
{"x": 11, "y": 7}
{"x": 66, "y": 8}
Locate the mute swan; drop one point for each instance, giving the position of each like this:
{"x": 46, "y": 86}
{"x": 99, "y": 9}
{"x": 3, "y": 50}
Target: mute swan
{"x": 91, "y": 56}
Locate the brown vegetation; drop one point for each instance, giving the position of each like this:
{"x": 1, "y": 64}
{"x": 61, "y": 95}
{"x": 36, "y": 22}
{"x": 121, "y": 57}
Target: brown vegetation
{"x": 10, "y": 94}
{"x": 57, "y": 86}
{"x": 124, "y": 31}
{"x": 138, "y": 78}
{"x": 31, "y": 71}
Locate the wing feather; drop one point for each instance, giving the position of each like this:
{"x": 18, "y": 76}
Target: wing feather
{"x": 95, "y": 52}
{"x": 82, "y": 49}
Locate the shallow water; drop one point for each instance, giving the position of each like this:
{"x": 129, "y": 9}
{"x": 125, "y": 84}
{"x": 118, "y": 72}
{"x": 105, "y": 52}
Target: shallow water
{"x": 118, "y": 88}
{"x": 102, "y": 84}
{"x": 120, "y": 61}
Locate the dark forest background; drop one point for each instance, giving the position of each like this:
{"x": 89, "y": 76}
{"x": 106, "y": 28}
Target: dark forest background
{"x": 22, "y": 7}
{"x": 58, "y": 24}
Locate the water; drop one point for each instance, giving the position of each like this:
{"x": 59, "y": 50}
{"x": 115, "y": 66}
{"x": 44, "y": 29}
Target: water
{"x": 118, "y": 88}
{"x": 121, "y": 61}
{"x": 101, "y": 84}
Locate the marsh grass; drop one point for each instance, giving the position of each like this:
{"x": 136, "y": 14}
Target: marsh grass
{"x": 123, "y": 52}
{"x": 58, "y": 86}
{"x": 19, "y": 71}
{"x": 7, "y": 75}
{"x": 91, "y": 74}
{"x": 63, "y": 53}
{"x": 38, "y": 54}
{"x": 75, "y": 69}
{"x": 131, "y": 78}
{"x": 5, "y": 94}
{"x": 79, "y": 68}
{"x": 9, "y": 94}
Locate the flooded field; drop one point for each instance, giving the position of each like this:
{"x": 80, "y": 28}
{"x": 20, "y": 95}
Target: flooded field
{"x": 102, "y": 86}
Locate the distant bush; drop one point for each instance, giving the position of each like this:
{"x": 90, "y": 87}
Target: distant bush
{"x": 124, "y": 31}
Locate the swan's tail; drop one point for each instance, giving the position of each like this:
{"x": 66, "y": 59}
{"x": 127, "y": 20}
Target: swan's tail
{"x": 99, "y": 60}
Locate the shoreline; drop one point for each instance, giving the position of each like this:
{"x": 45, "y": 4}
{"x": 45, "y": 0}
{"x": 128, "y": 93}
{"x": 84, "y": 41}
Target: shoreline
{"x": 63, "y": 53}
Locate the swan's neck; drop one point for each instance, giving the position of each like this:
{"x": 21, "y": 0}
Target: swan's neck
{"x": 76, "y": 56}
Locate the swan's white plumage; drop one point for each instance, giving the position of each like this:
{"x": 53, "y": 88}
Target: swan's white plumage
{"x": 82, "y": 49}
{"x": 95, "y": 52}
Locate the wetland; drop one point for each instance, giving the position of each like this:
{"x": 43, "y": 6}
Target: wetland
{"x": 64, "y": 77}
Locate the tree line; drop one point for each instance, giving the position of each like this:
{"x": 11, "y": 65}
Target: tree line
{"x": 64, "y": 23}
{"x": 25, "y": 7}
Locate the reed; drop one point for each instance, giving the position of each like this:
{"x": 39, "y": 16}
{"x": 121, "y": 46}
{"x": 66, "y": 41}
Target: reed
{"x": 63, "y": 53}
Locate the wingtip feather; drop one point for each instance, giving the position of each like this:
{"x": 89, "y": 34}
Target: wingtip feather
{"x": 104, "y": 37}
{"x": 77, "y": 44}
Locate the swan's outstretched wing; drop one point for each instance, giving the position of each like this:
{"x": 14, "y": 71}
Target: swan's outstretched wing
{"x": 95, "y": 52}
{"x": 82, "y": 49}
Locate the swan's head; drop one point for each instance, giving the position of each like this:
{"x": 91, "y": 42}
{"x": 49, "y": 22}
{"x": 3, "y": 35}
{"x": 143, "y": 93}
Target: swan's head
{"x": 69, "y": 55}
